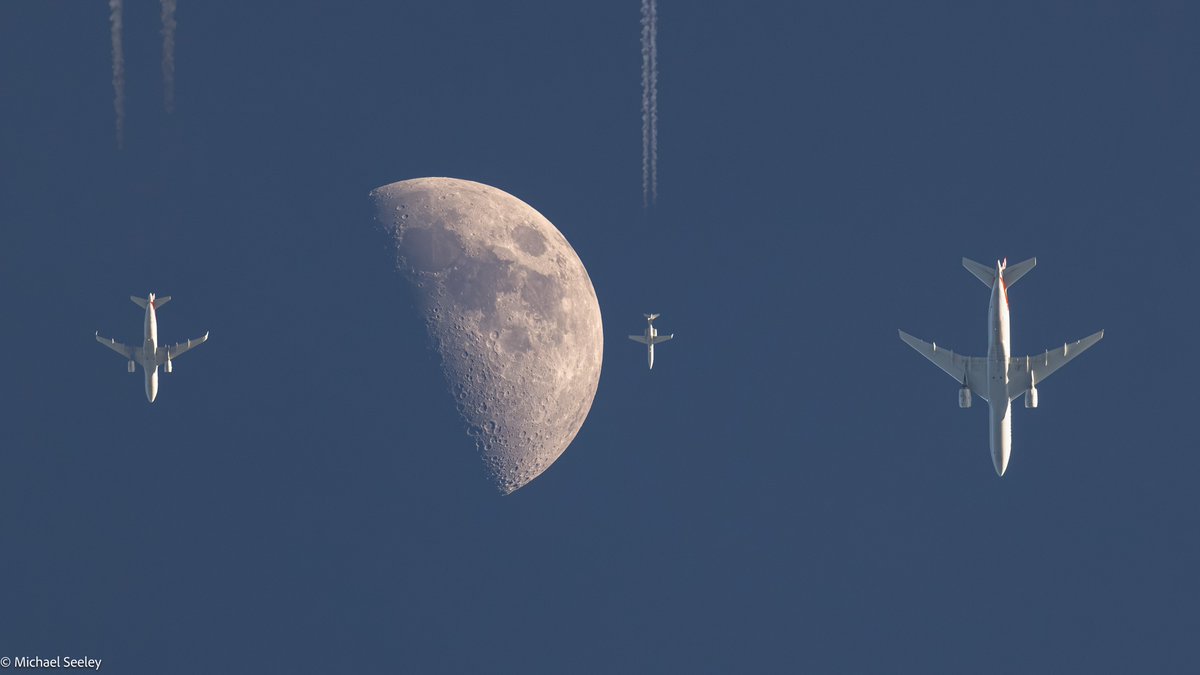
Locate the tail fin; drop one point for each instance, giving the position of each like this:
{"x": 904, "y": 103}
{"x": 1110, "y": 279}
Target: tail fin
{"x": 982, "y": 272}
{"x": 158, "y": 302}
{"x": 650, "y": 317}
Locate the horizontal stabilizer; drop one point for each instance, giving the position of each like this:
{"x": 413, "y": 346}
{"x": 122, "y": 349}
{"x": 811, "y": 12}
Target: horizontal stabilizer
{"x": 1014, "y": 272}
{"x": 982, "y": 272}
{"x": 651, "y": 317}
{"x": 158, "y": 302}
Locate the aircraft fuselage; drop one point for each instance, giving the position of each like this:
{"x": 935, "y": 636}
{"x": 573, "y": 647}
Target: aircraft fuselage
{"x": 999, "y": 351}
{"x": 149, "y": 357}
{"x": 651, "y": 333}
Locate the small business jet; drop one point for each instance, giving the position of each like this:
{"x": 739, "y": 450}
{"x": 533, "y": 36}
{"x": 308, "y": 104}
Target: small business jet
{"x": 650, "y": 338}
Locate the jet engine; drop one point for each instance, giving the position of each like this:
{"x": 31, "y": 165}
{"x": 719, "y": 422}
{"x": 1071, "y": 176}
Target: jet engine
{"x": 168, "y": 365}
{"x": 131, "y": 367}
{"x": 1031, "y": 398}
{"x": 964, "y": 397}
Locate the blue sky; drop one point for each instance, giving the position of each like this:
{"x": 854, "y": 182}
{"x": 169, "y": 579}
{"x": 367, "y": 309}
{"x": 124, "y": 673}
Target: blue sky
{"x": 791, "y": 488}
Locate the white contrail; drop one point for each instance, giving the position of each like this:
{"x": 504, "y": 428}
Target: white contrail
{"x": 168, "y": 55}
{"x": 118, "y": 67}
{"x": 654, "y": 101}
{"x": 646, "y": 62}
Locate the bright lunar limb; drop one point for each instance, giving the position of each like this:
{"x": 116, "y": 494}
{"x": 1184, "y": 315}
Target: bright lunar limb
{"x": 511, "y": 311}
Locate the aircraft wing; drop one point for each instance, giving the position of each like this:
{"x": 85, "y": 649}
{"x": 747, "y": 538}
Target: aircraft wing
{"x": 662, "y": 338}
{"x": 1034, "y": 369}
{"x": 180, "y": 347}
{"x": 123, "y": 350}
{"x": 638, "y": 338}
{"x": 968, "y": 370}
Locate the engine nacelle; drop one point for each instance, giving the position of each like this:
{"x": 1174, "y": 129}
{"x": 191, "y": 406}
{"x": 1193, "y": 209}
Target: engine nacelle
{"x": 964, "y": 397}
{"x": 168, "y": 365}
{"x": 131, "y": 367}
{"x": 1031, "y": 398}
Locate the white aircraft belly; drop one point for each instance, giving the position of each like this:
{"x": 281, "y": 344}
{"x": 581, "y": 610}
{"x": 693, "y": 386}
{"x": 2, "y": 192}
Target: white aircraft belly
{"x": 151, "y": 327}
{"x": 151, "y": 383}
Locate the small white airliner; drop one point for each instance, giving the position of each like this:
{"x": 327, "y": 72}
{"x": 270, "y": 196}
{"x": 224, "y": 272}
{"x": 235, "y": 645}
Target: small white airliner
{"x": 1000, "y": 378}
{"x": 150, "y": 355}
{"x": 650, "y": 338}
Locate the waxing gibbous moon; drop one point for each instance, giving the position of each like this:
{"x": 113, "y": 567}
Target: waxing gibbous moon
{"x": 511, "y": 311}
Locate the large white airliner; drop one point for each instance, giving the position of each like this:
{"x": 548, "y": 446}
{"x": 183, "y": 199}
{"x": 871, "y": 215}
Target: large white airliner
{"x": 650, "y": 337}
{"x": 999, "y": 378}
{"x": 150, "y": 355}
